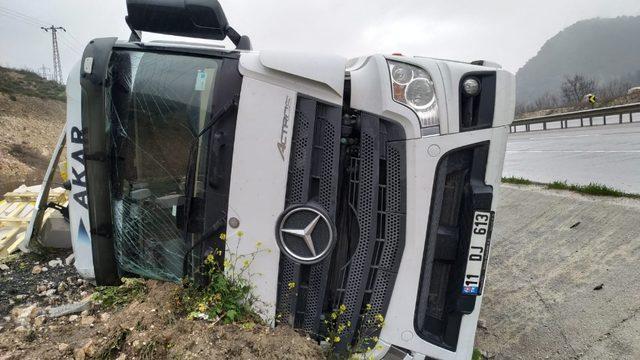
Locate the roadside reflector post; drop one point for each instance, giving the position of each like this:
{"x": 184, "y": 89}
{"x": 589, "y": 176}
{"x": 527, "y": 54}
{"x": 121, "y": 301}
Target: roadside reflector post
{"x": 620, "y": 119}
{"x": 581, "y": 122}
{"x": 590, "y": 121}
{"x": 544, "y": 125}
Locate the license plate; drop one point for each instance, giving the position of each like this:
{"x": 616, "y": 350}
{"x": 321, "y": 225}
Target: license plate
{"x": 478, "y": 253}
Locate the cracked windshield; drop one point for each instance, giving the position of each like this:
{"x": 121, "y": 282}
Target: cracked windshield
{"x": 159, "y": 103}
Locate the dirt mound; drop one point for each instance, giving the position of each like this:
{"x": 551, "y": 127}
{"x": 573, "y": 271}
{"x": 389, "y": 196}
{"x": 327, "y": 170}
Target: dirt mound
{"x": 25, "y": 82}
{"x": 152, "y": 327}
{"x": 29, "y": 129}
{"x": 149, "y": 328}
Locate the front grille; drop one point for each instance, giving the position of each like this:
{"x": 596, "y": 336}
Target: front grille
{"x": 459, "y": 190}
{"x": 313, "y": 170}
{"x": 357, "y": 174}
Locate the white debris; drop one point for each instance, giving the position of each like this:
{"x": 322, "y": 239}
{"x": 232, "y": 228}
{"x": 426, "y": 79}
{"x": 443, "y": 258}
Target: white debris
{"x": 69, "y": 260}
{"x": 55, "y": 263}
{"x": 67, "y": 309}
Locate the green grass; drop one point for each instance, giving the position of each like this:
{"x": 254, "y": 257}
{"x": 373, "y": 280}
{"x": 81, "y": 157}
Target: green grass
{"x": 477, "y": 355}
{"x": 593, "y": 189}
{"x": 517, "y": 180}
{"x": 118, "y": 296}
{"x": 24, "y": 82}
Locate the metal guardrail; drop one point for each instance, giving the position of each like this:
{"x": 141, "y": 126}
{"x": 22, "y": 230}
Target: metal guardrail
{"x": 583, "y": 116}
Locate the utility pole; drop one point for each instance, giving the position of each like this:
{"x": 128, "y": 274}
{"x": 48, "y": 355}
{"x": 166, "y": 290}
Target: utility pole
{"x": 44, "y": 72}
{"x": 57, "y": 66}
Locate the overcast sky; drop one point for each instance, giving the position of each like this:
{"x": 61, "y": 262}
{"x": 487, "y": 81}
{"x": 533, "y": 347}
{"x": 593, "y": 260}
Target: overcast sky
{"x": 506, "y": 31}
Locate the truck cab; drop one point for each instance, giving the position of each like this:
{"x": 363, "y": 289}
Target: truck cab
{"x": 367, "y": 185}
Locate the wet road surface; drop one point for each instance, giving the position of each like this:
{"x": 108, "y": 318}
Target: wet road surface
{"x": 608, "y": 155}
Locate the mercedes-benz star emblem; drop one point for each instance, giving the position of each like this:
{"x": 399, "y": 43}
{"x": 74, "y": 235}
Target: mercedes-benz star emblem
{"x": 305, "y": 234}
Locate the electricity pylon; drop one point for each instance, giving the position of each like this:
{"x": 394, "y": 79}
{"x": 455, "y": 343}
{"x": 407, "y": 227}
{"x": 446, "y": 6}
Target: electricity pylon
{"x": 57, "y": 65}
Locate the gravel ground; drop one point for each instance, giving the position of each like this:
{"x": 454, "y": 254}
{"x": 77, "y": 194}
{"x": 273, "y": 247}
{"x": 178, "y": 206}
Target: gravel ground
{"x": 150, "y": 327}
{"x": 44, "y": 280}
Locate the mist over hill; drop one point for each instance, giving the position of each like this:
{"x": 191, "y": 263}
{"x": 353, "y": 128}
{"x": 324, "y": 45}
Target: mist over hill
{"x": 602, "y": 49}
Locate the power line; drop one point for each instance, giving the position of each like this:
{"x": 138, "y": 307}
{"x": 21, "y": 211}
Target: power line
{"x": 75, "y": 40}
{"x": 65, "y": 41}
{"x": 23, "y": 20}
{"x": 23, "y": 16}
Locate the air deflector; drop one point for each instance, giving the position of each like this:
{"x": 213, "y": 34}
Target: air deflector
{"x": 203, "y": 19}
{"x": 192, "y": 18}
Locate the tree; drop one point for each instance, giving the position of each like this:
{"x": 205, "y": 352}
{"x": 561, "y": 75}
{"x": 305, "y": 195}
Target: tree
{"x": 575, "y": 87}
{"x": 614, "y": 89}
{"x": 546, "y": 101}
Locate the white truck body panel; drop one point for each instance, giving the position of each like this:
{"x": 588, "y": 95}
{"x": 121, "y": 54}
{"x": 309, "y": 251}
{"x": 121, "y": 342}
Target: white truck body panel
{"x": 317, "y": 76}
{"x": 79, "y": 221}
{"x": 265, "y": 119}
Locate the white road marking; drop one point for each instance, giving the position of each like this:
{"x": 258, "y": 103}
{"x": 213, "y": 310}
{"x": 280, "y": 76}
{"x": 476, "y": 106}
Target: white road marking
{"x": 563, "y": 137}
{"x": 575, "y": 151}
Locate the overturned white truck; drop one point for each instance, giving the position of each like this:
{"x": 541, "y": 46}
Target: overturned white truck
{"x": 371, "y": 182}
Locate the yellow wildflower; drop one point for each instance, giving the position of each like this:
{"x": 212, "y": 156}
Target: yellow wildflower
{"x": 209, "y": 259}
{"x": 368, "y": 307}
{"x": 343, "y": 308}
{"x": 223, "y": 236}
{"x": 227, "y": 264}
{"x": 291, "y": 285}
{"x": 259, "y": 244}
{"x": 202, "y": 307}
{"x": 336, "y": 339}
{"x": 240, "y": 233}
{"x": 379, "y": 318}
{"x": 334, "y": 315}
{"x": 245, "y": 263}
{"x": 340, "y": 328}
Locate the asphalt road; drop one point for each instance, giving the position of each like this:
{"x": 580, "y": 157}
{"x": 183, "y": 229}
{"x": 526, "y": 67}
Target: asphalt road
{"x": 607, "y": 155}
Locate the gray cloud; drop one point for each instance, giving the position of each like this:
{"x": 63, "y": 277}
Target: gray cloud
{"x": 506, "y": 31}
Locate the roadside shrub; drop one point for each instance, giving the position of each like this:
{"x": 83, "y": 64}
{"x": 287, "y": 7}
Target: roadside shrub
{"x": 227, "y": 297}
{"x": 366, "y": 334}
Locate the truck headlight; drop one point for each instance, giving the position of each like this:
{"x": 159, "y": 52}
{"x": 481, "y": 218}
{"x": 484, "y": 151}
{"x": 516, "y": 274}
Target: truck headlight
{"x": 413, "y": 87}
